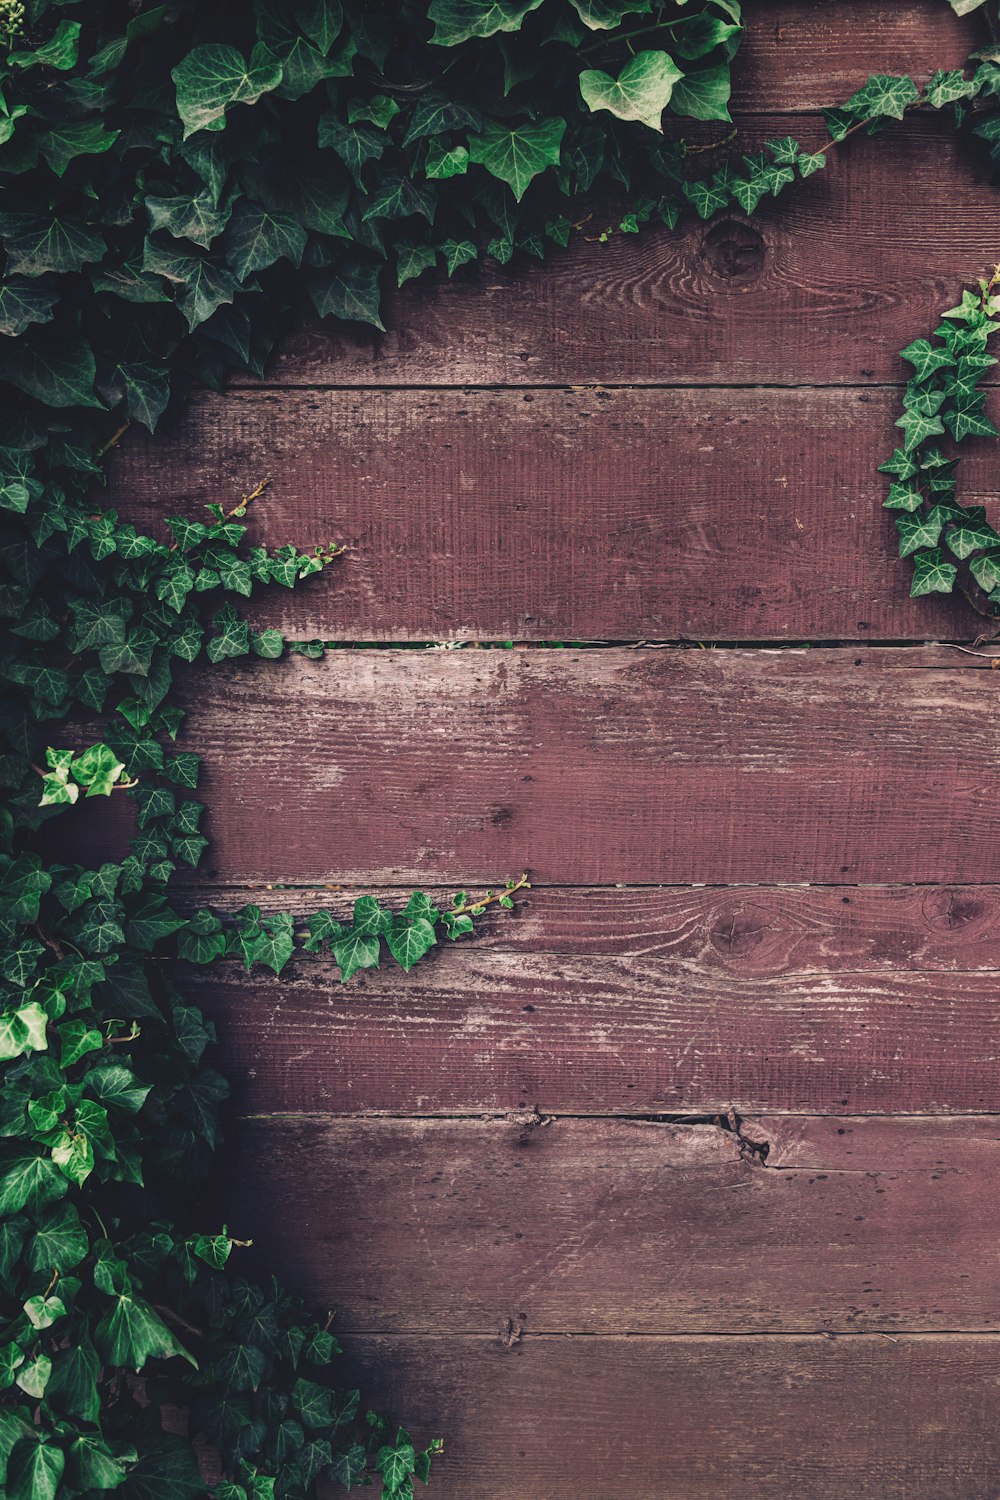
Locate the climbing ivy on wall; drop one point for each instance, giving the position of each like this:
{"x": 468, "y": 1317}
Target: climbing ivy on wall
{"x": 182, "y": 183}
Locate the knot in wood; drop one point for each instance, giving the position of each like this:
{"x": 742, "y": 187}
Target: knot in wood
{"x": 738, "y": 933}
{"x": 733, "y": 250}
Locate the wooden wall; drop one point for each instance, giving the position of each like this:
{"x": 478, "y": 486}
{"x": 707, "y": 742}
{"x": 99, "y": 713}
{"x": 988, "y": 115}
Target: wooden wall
{"x": 767, "y": 878}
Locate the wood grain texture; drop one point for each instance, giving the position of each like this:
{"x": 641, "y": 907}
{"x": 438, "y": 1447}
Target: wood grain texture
{"x": 827, "y": 284}
{"x": 474, "y": 1031}
{"x": 889, "y": 1418}
{"x": 590, "y": 1001}
{"x": 802, "y": 56}
{"x": 570, "y": 515}
{"x": 597, "y": 767}
{"x": 739, "y": 931}
{"x": 591, "y": 1226}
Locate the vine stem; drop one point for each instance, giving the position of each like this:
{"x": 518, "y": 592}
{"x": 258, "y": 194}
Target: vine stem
{"x": 114, "y": 439}
{"x": 524, "y": 884}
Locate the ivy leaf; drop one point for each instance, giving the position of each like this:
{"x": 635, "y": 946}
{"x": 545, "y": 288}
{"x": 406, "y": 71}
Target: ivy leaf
{"x": 351, "y": 293}
{"x": 517, "y": 155}
{"x": 396, "y": 1462}
{"x": 641, "y": 91}
{"x": 397, "y": 197}
{"x": 23, "y": 302}
{"x": 705, "y": 197}
{"x": 73, "y": 1384}
{"x": 214, "y": 76}
{"x": 76, "y": 1039}
{"x": 131, "y": 1333}
{"x": 355, "y": 951}
{"x": 918, "y": 428}
{"x": 409, "y": 939}
{"x": 412, "y": 260}
{"x": 39, "y": 243}
{"x": 98, "y": 769}
{"x": 926, "y": 359}
{"x": 59, "y": 52}
{"x": 56, "y": 370}
{"x": 903, "y": 496}
{"x": 966, "y": 539}
{"x": 969, "y": 422}
{"x": 116, "y": 1085}
{"x": 457, "y": 21}
{"x": 932, "y": 574}
{"x": 986, "y": 570}
{"x": 200, "y": 285}
{"x": 27, "y": 1180}
{"x": 62, "y": 144}
{"x": 446, "y": 161}
{"x": 23, "y": 1030}
{"x": 883, "y": 95}
{"x": 457, "y": 253}
{"x": 35, "y": 1467}
{"x": 703, "y": 95}
{"x": 945, "y": 87}
{"x": 271, "y": 945}
{"x": 197, "y": 218}
{"x": 256, "y": 238}
{"x": 916, "y": 531}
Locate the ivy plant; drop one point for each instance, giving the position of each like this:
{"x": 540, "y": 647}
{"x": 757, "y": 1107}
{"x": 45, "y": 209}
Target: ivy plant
{"x": 182, "y": 182}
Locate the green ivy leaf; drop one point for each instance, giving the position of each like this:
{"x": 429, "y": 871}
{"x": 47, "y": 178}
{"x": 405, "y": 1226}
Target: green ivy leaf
{"x": 703, "y": 95}
{"x": 351, "y": 293}
{"x": 641, "y": 91}
{"x": 35, "y": 1468}
{"x": 409, "y": 939}
{"x": 39, "y": 243}
{"x": 457, "y": 21}
{"x": 131, "y": 1333}
{"x": 932, "y": 574}
{"x": 517, "y": 155}
{"x": 215, "y": 76}
{"x": 256, "y": 238}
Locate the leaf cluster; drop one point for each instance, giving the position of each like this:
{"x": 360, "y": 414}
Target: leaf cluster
{"x": 950, "y": 543}
{"x": 181, "y": 181}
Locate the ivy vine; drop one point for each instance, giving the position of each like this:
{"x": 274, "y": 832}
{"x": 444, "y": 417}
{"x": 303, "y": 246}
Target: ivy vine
{"x": 183, "y": 182}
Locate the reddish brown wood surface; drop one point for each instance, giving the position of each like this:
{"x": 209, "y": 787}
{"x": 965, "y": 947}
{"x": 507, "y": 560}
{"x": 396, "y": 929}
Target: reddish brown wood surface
{"x": 767, "y": 1418}
{"x": 569, "y": 515}
{"x": 825, "y": 287}
{"x": 473, "y": 1031}
{"x": 591, "y": 1226}
{"x": 668, "y": 437}
{"x": 738, "y": 931}
{"x": 797, "y": 55}
{"x": 595, "y": 767}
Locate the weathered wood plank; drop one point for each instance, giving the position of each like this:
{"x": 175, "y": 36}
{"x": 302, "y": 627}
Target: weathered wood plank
{"x": 801, "y": 56}
{"x": 570, "y": 515}
{"x": 591, "y": 1226}
{"x": 597, "y": 767}
{"x": 695, "y": 1419}
{"x": 829, "y": 283}
{"x": 472, "y": 1031}
{"x": 739, "y": 931}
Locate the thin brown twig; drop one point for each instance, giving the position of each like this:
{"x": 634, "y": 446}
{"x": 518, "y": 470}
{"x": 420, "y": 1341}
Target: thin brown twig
{"x": 114, "y": 439}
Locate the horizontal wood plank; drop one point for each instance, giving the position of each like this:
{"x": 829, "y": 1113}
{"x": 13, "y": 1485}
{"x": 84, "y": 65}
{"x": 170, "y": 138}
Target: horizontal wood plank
{"x": 475, "y": 1030}
{"x": 597, "y": 767}
{"x": 802, "y": 56}
{"x": 591, "y": 1226}
{"x": 695, "y": 1419}
{"x": 824, "y": 286}
{"x": 738, "y": 931}
{"x": 569, "y": 515}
